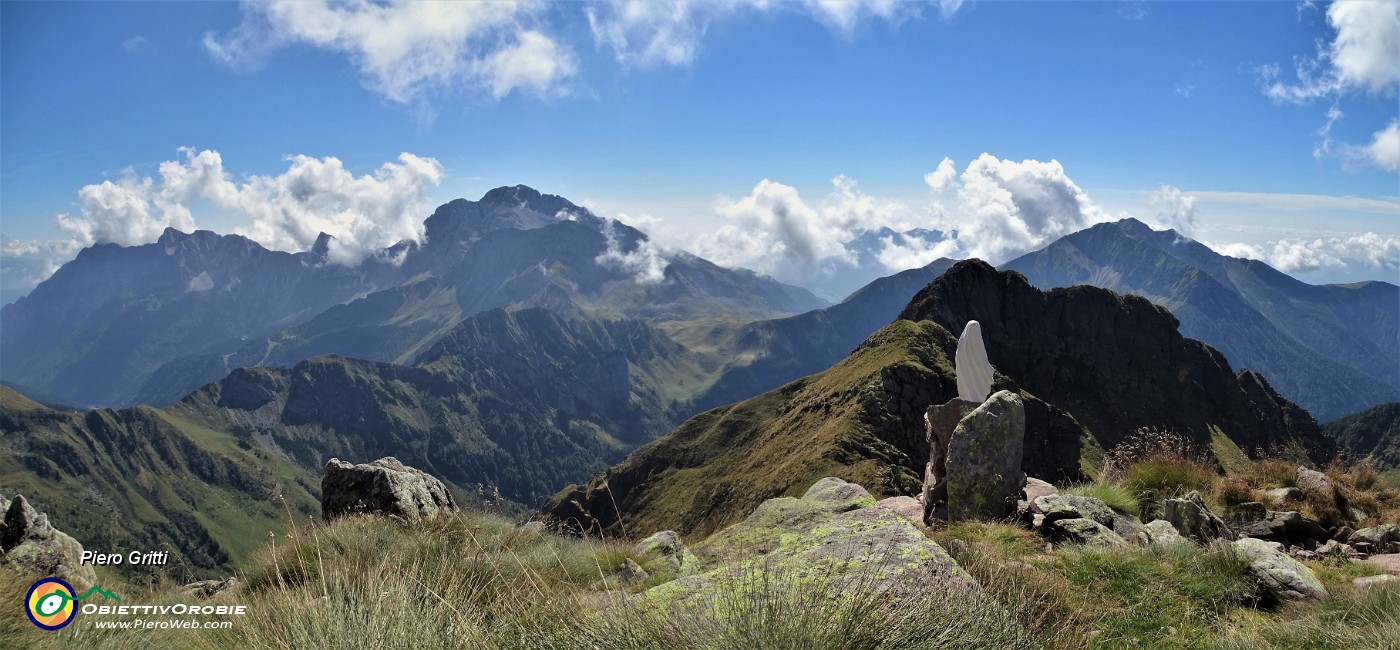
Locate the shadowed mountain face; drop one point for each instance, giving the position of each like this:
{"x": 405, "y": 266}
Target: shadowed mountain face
{"x": 151, "y": 323}
{"x": 1334, "y": 349}
{"x": 1373, "y": 433}
{"x": 521, "y": 402}
{"x": 1092, "y": 366}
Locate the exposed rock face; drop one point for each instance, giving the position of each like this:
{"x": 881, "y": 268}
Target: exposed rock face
{"x": 666, "y": 548}
{"x": 973, "y": 369}
{"x": 1284, "y": 576}
{"x": 907, "y": 507}
{"x": 985, "y": 452}
{"x": 835, "y": 531}
{"x": 385, "y": 486}
{"x": 1254, "y": 520}
{"x": 1376, "y": 536}
{"x": 32, "y": 545}
{"x": 207, "y": 588}
{"x": 1083, "y": 348}
{"x": 939, "y": 423}
{"x": 1313, "y": 481}
{"x": 1160, "y": 531}
{"x": 1193, "y": 519}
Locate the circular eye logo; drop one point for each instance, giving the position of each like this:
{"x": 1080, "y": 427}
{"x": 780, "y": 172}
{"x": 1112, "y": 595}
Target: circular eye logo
{"x": 50, "y": 604}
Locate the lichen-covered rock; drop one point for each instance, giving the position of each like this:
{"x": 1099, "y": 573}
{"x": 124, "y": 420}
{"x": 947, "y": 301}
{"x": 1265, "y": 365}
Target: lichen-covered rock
{"x": 1160, "y": 531}
{"x": 1194, "y": 520}
{"x": 1285, "y": 495}
{"x": 1083, "y": 531}
{"x": 666, "y": 551}
{"x": 1061, "y": 506}
{"x": 1312, "y": 481}
{"x": 208, "y": 588}
{"x": 939, "y": 422}
{"x": 630, "y": 572}
{"x": 1035, "y": 488}
{"x": 818, "y": 538}
{"x": 907, "y": 507}
{"x": 385, "y": 486}
{"x": 984, "y": 459}
{"x": 1377, "y": 536}
{"x": 30, "y": 544}
{"x": 1283, "y": 576}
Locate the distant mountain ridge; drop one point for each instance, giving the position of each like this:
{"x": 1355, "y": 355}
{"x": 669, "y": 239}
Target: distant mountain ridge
{"x": 1371, "y": 434}
{"x": 1335, "y": 349}
{"x": 120, "y": 325}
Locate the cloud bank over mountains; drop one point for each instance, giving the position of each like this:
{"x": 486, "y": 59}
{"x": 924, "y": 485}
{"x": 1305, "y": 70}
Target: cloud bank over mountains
{"x": 994, "y": 209}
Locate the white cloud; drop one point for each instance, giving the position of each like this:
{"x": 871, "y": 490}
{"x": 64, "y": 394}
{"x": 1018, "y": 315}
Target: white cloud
{"x": 283, "y": 212}
{"x": 646, "y": 262}
{"x": 906, "y": 252}
{"x": 650, "y": 33}
{"x": 1368, "y": 250}
{"x": 1002, "y": 208}
{"x": 1384, "y": 149}
{"x": 943, "y": 177}
{"x": 27, "y": 262}
{"x": 774, "y": 231}
{"x": 405, "y": 50}
{"x": 1175, "y": 209}
{"x": 1363, "y": 57}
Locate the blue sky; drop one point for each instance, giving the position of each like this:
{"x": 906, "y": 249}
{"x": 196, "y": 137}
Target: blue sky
{"x": 1265, "y": 129}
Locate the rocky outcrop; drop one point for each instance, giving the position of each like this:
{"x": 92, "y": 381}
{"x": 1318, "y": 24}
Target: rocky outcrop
{"x": 208, "y": 588}
{"x": 385, "y": 486}
{"x": 984, "y": 457}
{"x": 834, "y": 533}
{"x": 1193, "y": 519}
{"x": 32, "y": 545}
{"x": 1083, "y": 531}
{"x": 1281, "y": 575}
{"x": 1116, "y": 363}
{"x": 666, "y": 551}
{"x": 939, "y": 422}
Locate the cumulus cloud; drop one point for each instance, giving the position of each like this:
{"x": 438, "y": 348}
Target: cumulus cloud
{"x": 1003, "y": 208}
{"x": 1360, "y": 59}
{"x": 775, "y": 231}
{"x": 405, "y": 50}
{"x": 27, "y": 262}
{"x": 1384, "y": 149}
{"x": 900, "y": 252}
{"x": 943, "y": 177}
{"x": 1175, "y": 209}
{"x": 650, "y": 33}
{"x": 284, "y": 212}
{"x": 646, "y": 262}
{"x": 1367, "y": 250}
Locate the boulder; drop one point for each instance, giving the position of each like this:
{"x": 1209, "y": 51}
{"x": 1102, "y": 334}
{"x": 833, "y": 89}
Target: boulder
{"x": 664, "y": 550}
{"x": 1083, "y": 531}
{"x": 630, "y": 572}
{"x": 1375, "y": 581}
{"x": 939, "y": 423}
{"x": 534, "y": 527}
{"x": 984, "y": 459}
{"x": 1281, "y": 575}
{"x": 1286, "y": 526}
{"x": 208, "y": 588}
{"x": 1035, "y": 488}
{"x": 385, "y": 486}
{"x": 1061, "y": 506}
{"x": 1194, "y": 520}
{"x": 1378, "y": 537}
{"x": 1390, "y": 563}
{"x": 1312, "y": 481}
{"x": 817, "y": 537}
{"x": 1160, "y": 531}
{"x": 33, "y": 546}
{"x": 1131, "y": 529}
{"x": 1285, "y": 495}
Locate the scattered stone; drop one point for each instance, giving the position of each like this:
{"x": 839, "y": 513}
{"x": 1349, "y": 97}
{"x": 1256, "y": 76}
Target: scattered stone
{"x": 986, "y": 450}
{"x": 1342, "y": 533}
{"x": 1283, "y": 576}
{"x": 536, "y": 527}
{"x": 1328, "y": 547}
{"x": 385, "y": 486}
{"x": 1313, "y": 481}
{"x": 1300, "y": 554}
{"x": 1372, "y": 581}
{"x": 1083, "y": 531}
{"x": 1131, "y": 529}
{"x": 31, "y": 544}
{"x": 207, "y": 588}
{"x": 1289, "y": 526}
{"x": 1060, "y": 506}
{"x": 1194, "y": 520}
{"x": 907, "y": 507}
{"x": 665, "y": 549}
{"x": 1285, "y": 495}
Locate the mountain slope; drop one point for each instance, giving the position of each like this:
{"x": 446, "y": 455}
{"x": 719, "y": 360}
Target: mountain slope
{"x": 1373, "y": 433}
{"x": 1093, "y": 367}
{"x": 151, "y": 323}
{"x": 1333, "y": 349}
